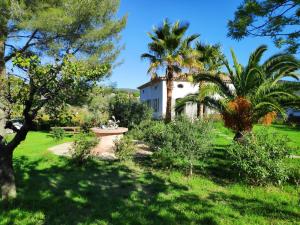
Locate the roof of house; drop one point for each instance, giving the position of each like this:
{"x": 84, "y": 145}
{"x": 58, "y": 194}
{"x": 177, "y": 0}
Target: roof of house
{"x": 182, "y": 78}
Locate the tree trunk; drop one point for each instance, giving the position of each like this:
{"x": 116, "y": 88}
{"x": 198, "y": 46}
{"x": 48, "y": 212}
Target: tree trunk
{"x": 238, "y": 136}
{"x": 201, "y": 110}
{"x": 7, "y": 178}
{"x": 201, "y": 106}
{"x": 2, "y": 61}
{"x": 168, "y": 117}
{"x": 2, "y": 73}
{"x": 191, "y": 170}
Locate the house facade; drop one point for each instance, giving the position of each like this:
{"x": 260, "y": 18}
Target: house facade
{"x": 154, "y": 93}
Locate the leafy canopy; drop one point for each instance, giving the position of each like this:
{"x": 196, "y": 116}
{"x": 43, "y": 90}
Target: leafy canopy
{"x": 170, "y": 48}
{"x": 278, "y": 19}
{"x": 88, "y": 29}
{"x": 49, "y": 86}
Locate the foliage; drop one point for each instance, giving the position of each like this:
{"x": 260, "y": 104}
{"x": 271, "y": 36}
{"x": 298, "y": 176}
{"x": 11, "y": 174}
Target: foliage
{"x": 271, "y": 18}
{"x": 253, "y": 91}
{"x": 125, "y": 148}
{"x": 82, "y": 147}
{"x": 128, "y": 110}
{"x": 179, "y": 143}
{"x": 154, "y": 133}
{"x": 57, "y": 133}
{"x": 172, "y": 52}
{"x": 259, "y": 158}
{"x": 98, "y": 105}
{"x": 294, "y": 175}
{"x": 210, "y": 56}
{"x": 59, "y": 27}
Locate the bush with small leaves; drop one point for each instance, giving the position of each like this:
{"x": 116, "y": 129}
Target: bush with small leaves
{"x": 57, "y": 133}
{"x": 181, "y": 143}
{"x": 125, "y": 148}
{"x": 259, "y": 158}
{"x": 82, "y": 146}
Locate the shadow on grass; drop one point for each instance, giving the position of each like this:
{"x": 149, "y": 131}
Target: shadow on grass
{"x": 99, "y": 193}
{"x": 254, "y": 206}
{"x": 218, "y": 166}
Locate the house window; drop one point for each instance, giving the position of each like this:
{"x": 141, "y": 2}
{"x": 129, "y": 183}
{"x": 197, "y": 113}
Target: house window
{"x": 180, "y": 85}
{"x": 155, "y": 104}
{"x": 148, "y": 103}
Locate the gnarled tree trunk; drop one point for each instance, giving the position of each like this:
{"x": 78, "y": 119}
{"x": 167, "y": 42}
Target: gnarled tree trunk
{"x": 7, "y": 178}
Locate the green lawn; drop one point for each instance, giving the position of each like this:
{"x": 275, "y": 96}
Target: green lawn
{"x": 53, "y": 191}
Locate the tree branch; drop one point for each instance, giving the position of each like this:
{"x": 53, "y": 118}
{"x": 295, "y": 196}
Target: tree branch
{"x": 23, "y": 49}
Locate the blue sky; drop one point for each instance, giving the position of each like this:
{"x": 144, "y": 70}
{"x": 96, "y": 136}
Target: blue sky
{"x": 207, "y": 18}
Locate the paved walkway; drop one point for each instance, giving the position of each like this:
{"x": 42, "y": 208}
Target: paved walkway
{"x": 63, "y": 150}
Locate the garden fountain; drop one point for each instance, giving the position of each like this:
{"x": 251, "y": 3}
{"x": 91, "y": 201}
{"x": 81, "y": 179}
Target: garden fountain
{"x": 108, "y": 135}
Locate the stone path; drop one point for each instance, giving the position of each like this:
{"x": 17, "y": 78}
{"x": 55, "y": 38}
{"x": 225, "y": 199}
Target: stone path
{"x": 63, "y": 150}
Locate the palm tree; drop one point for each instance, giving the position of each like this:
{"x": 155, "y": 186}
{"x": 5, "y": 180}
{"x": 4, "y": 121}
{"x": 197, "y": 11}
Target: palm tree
{"x": 212, "y": 59}
{"x": 172, "y": 52}
{"x": 257, "y": 90}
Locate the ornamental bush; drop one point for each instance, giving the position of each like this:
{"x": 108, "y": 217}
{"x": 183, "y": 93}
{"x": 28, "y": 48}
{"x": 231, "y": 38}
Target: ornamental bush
{"x": 57, "y": 133}
{"x": 259, "y": 158}
{"x": 124, "y": 148}
{"x": 82, "y": 146}
{"x": 181, "y": 143}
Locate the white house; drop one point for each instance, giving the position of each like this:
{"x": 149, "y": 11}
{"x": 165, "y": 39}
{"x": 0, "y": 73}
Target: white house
{"x": 154, "y": 93}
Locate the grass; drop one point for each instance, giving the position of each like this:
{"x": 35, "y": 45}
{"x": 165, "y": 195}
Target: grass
{"x": 53, "y": 191}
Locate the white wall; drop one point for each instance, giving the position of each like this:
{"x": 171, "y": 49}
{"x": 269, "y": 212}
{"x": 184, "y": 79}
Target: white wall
{"x": 159, "y": 90}
{"x": 153, "y": 92}
{"x": 188, "y": 88}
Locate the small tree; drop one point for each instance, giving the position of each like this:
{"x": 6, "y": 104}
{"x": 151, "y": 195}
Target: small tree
{"x": 41, "y": 86}
{"x": 192, "y": 141}
{"x": 181, "y": 142}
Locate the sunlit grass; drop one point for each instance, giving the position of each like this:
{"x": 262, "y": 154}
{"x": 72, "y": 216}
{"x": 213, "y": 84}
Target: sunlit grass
{"x": 51, "y": 190}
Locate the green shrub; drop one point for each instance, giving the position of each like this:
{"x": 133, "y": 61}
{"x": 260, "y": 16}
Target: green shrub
{"x": 124, "y": 148}
{"x": 165, "y": 158}
{"x": 179, "y": 143}
{"x": 294, "y": 175}
{"x": 259, "y": 158}
{"x": 57, "y": 133}
{"x": 191, "y": 141}
{"x": 128, "y": 110}
{"x": 82, "y": 147}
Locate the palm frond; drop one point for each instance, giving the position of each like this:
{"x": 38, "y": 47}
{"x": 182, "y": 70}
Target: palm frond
{"x": 180, "y": 103}
{"x": 255, "y": 57}
{"x": 237, "y": 66}
{"x": 217, "y": 104}
{"x": 216, "y": 79}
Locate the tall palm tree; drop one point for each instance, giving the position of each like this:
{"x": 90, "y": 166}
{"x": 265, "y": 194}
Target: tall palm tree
{"x": 171, "y": 51}
{"x": 257, "y": 90}
{"x": 211, "y": 57}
